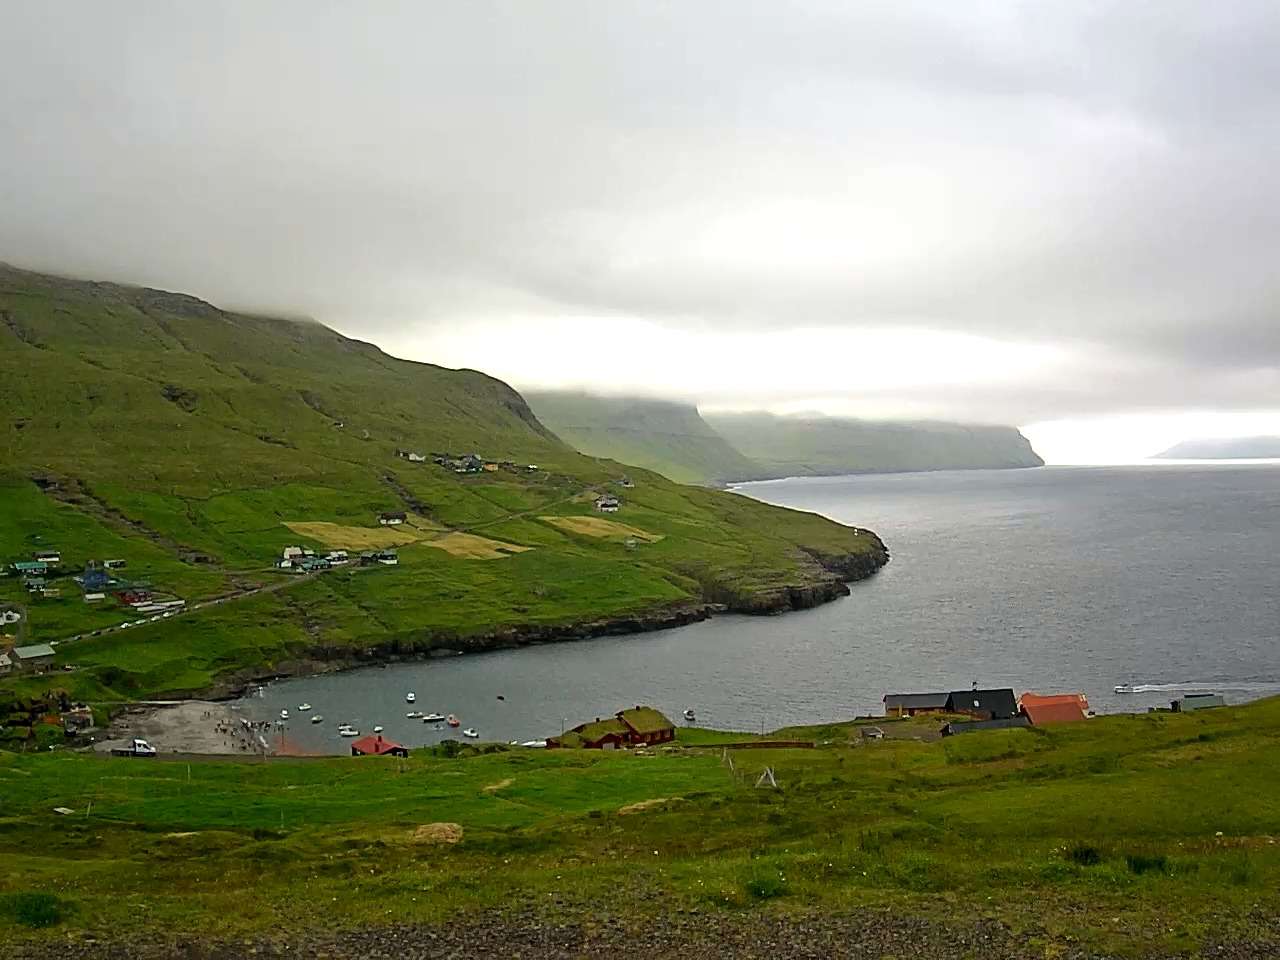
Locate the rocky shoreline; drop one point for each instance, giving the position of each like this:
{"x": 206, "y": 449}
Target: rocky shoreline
{"x": 832, "y": 576}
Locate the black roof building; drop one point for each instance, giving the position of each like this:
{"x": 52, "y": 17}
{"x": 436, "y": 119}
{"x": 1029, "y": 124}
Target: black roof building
{"x": 997, "y": 704}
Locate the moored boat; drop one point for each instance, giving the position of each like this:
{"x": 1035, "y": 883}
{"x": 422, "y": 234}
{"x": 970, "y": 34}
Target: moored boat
{"x": 452, "y": 721}
{"x": 317, "y": 719}
{"x": 413, "y": 714}
{"x": 471, "y": 732}
{"x": 304, "y": 707}
{"x": 410, "y": 697}
{"x": 433, "y": 718}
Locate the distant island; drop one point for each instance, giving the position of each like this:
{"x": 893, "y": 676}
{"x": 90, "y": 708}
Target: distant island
{"x": 673, "y": 438}
{"x": 1231, "y": 448}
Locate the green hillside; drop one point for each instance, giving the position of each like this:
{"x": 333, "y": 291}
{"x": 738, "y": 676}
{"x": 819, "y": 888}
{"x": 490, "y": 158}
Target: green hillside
{"x": 662, "y": 435}
{"x": 157, "y": 429}
{"x": 815, "y": 445}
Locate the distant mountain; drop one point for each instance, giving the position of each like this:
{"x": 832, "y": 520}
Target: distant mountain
{"x": 813, "y": 445}
{"x": 1232, "y": 448}
{"x": 674, "y": 439}
{"x": 666, "y": 436}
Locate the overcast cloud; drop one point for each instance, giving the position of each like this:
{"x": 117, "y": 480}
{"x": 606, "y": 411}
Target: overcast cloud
{"x": 1003, "y": 211}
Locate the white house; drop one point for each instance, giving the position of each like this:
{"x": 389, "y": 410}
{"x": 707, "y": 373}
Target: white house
{"x": 391, "y": 519}
{"x": 607, "y": 504}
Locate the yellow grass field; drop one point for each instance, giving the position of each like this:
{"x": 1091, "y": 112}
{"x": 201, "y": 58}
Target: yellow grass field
{"x": 340, "y": 537}
{"x": 469, "y": 546}
{"x": 603, "y": 528}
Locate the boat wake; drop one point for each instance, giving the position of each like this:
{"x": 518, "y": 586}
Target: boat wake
{"x": 1242, "y": 686}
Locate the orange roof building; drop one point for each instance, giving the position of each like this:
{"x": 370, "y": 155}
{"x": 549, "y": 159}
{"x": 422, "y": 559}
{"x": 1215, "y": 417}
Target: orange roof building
{"x": 1053, "y": 708}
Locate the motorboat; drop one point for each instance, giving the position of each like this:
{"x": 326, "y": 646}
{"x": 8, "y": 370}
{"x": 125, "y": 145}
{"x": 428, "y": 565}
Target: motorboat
{"x": 452, "y": 721}
{"x": 536, "y": 744}
{"x": 471, "y": 732}
{"x": 432, "y": 718}
{"x": 1125, "y": 688}
{"x": 284, "y": 714}
{"x": 377, "y": 729}
{"x": 346, "y": 730}
{"x": 317, "y": 719}
{"x": 413, "y": 715}
{"x": 410, "y": 697}
{"x": 689, "y": 715}
{"x": 304, "y": 707}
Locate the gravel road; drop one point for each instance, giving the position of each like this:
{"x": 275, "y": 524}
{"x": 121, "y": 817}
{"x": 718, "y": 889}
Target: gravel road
{"x": 861, "y": 936}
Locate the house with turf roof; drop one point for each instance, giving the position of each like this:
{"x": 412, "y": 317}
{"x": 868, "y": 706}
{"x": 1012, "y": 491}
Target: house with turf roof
{"x": 637, "y": 727}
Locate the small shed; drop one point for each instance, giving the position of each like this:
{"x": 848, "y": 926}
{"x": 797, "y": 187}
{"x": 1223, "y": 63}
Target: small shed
{"x": 392, "y": 519}
{"x": 910, "y": 704}
{"x": 976, "y": 726}
{"x": 872, "y": 733}
{"x": 1197, "y": 701}
{"x": 34, "y": 656}
{"x": 377, "y": 746}
{"x": 6, "y": 664}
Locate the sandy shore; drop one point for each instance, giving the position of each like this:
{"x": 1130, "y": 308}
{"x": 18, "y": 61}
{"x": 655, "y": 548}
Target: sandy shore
{"x": 190, "y": 726}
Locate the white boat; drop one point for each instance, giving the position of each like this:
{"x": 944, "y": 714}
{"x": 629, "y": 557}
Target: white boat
{"x": 377, "y": 729}
{"x": 452, "y": 721}
{"x": 346, "y": 730}
{"x": 284, "y": 714}
{"x": 537, "y": 744}
{"x": 304, "y": 707}
{"x": 413, "y": 714}
{"x": 471, "y": 732}
{"x": 688, "y": 715}
{"x": 1124, "y": 688}
{"x": 433, "y": 718}
{"x": 410, "y": 697}
{"x": 317, "y": 719}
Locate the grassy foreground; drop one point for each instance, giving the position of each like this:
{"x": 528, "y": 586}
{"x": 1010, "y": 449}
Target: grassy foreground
{"x": 1137, "y": 834}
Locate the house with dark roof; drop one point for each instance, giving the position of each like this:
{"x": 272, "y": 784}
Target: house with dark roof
{"x": 976, "y": 726}
{"x": 911, "y": 704}
{"x": 996, "y": 704}
{"x": 637, "y": 727}
{"x": 1053, "y": 708}
{"x": 391, "y": 518}
{"x": 377, "y": 746}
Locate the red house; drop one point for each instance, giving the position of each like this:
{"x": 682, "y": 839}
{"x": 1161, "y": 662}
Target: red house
{"x": 376, "y": 746}
{"x": 1053, "y": 708}
{"x": 637, "y": 727}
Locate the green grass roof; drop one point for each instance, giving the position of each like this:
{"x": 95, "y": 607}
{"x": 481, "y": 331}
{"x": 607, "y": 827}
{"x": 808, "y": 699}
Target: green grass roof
{"x": 646, "y": 720}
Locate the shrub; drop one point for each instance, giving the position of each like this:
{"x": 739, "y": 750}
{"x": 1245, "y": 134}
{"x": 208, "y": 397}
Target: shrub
{"x": 1084, "y": 855}
{"x": 34, "y": 909}
{"x": 1140, "y": 863}
{"x": 767, "y": 886}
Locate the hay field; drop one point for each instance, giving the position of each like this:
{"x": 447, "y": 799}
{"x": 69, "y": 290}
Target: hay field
{"x": 470, "y": 546}
{"x": 340, "y": 537}
{"x": 602, "y": 528}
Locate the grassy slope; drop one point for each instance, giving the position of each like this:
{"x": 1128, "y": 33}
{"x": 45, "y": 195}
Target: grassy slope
{"x": 800, "y": 445}
{"x": 246, "y": 439}
{"x": 662, "y": 435}
{"x": 982, "y": 825}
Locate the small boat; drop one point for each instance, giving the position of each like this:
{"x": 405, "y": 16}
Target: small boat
{"x": 1124, "y": 688}
{"x": 432, "y": 718}
{"x": 413, "y": 715}
{"x": 284, "y": 714}
{"x": 377, "y": 729}
{"x": 304, "y": 707}
{"x": 501, "y": 697}
{"x": 317, "y": 719}
{"x": 410, "y": 697}
{"x": 452, "y": 721}
{"x": 471, "y": 732}
{"x": 688, "y": 715}
{"x": 346, "y": 730}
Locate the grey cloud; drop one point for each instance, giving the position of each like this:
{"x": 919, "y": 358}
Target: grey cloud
{"x": 1095, "y": 176}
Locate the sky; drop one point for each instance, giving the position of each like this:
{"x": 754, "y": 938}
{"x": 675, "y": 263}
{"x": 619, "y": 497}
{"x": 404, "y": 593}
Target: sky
{"x": 1059, "y": 215}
